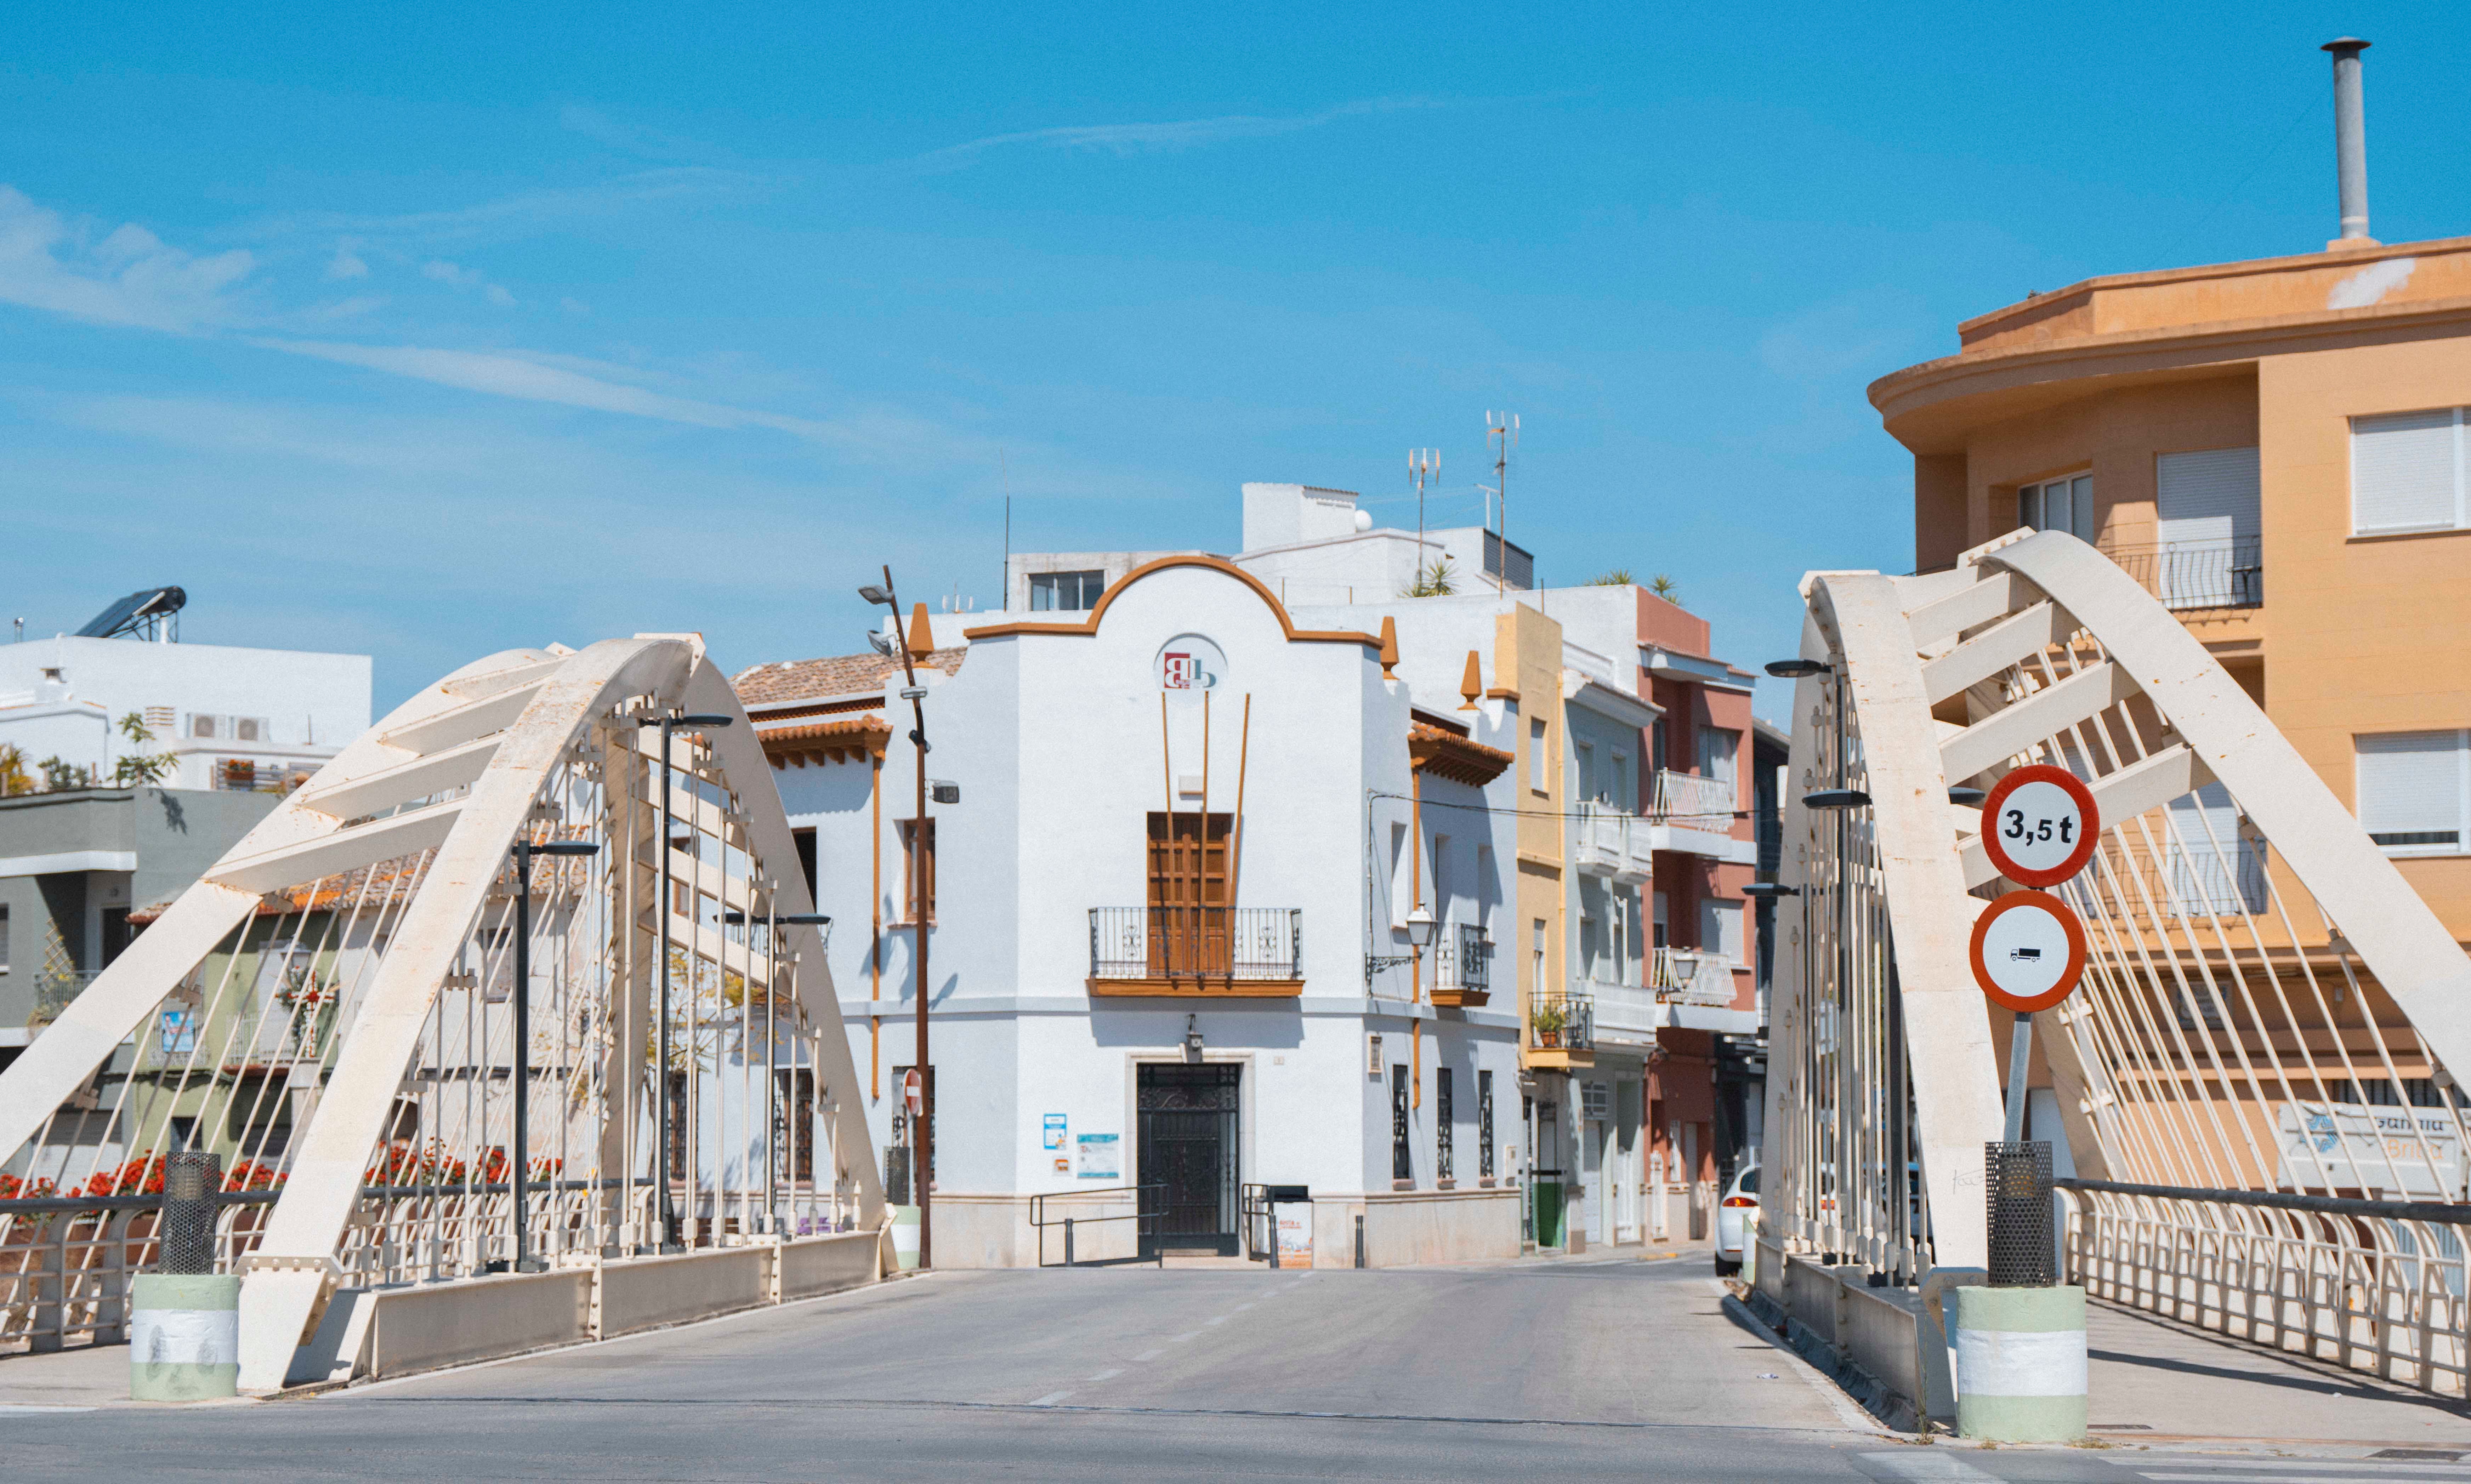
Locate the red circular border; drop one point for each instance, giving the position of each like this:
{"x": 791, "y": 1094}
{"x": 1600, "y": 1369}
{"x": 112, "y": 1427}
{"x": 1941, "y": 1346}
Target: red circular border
{"x": 2040, "y": 773}
{"x": 2068, "y": 978}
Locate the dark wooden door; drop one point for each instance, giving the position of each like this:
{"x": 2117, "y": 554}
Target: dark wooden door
{"x": 1189, "y": 1118}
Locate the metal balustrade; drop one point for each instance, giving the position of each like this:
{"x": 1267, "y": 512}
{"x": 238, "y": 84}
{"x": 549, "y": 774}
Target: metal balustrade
{"x": 1234, "y": 944}
{"x": 1559, "y": 1021}
{"x": 2189, "y": 575}
{"x": 1463, "y": 959}
{"x": 2376, "y": 1286}
{"x": 1611, "y": 841}
{"x": 1692, "y": 796}
{"x": 1691, "y": 977}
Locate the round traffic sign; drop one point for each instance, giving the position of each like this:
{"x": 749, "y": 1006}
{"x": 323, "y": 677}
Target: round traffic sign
{"x": 913, "y": 1090}
{"x": 2029, "y": 950}
{"x": 2038, "y": 825}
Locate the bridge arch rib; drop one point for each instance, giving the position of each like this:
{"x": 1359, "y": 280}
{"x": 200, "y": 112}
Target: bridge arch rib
{"x": 2262, "y": 978}
{"x": 331, "y": 1006}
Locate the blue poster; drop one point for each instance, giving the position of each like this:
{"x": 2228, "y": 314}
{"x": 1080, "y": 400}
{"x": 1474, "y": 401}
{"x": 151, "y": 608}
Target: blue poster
{"x": 1101, "y": 1157}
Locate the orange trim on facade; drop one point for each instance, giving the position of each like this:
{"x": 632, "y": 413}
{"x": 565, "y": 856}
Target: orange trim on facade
{"x": 1187, "y": 986}
{"x": 1089, "y": 627}
{"x": 847, "y": 740}
{"x": 1449, "y": 755}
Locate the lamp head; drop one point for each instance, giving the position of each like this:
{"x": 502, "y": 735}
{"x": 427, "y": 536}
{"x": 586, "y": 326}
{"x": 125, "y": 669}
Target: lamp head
{"x": 1419, "y": 927}
{"x": 875, "y": 593}
{"x": 1795, "y": 669}
{"x": 560, "y": 847}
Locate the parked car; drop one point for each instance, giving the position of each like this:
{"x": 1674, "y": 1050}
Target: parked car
{"x": 1733, "y": 1221}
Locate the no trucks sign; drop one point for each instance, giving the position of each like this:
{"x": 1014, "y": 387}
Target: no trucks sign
{"x": 2029, "y": 950}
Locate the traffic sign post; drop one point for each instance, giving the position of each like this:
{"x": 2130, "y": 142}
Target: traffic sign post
{"x": 2028, "y": 953}
{"x": 2038, "y": 825}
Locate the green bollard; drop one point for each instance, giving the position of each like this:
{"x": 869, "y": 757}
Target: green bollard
{"x": 183, "y": 1336}
{"x": 2020, "y": 1363}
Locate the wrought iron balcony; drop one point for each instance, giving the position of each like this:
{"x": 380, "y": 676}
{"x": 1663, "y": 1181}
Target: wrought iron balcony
{"x": 1613, "y": 843}
{"x": 1561, "y": 1022}
{"x": 1462, "y": 963}
{"x": 1696, "y": 798}
{"x": 2193, "y": 575}
{"x": 1689, "y": 976}
{"x": 1196, "y": 950}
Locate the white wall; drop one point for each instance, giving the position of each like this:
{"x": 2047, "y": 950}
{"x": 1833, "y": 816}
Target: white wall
{"x": 311, "y": 702}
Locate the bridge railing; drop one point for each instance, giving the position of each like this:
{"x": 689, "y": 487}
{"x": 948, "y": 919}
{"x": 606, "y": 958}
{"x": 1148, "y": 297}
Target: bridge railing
{"x": 2371, "y": 1286}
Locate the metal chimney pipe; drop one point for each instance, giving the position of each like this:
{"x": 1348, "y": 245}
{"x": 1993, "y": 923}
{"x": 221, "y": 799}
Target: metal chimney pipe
{"x": 2350, "y": 138}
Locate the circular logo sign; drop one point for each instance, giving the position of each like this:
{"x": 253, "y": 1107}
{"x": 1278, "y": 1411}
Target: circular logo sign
{"x": 2038, "y": 825}
{"x": 2029, "y": 950}
{"x": 1187, "y": 666}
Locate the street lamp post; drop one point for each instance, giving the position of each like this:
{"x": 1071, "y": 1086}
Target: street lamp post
{"x": 667, "y": 1109}
{"x": 922, "y": 1134}
{"x": 525, "y": 850}
{"x": 773, "y": 922}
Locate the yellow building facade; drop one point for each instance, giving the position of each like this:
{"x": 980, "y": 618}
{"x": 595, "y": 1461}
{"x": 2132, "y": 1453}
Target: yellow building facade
{"x": 2277, "y": 448}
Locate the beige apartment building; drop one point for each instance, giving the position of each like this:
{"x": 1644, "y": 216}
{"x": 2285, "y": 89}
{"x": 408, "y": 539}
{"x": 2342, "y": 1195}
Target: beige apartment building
{"x": 2276, "y": 448}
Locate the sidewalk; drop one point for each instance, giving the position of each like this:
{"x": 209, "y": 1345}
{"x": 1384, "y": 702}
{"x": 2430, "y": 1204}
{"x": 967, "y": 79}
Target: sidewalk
{"x": 87, "y": 1376}
{"x": 2151, "y": 1379}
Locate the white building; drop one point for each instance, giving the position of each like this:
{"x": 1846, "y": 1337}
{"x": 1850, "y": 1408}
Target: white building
{"x": 229, "y": 717}
{"x": 1170, "y": 922}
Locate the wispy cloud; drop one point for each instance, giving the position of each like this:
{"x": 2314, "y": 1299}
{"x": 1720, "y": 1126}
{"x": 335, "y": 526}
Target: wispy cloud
{"x": 1129, "y": 139}
{"x": 523, "y": 212}
{"x": 127, "y": 277}
{"x": 502, "y": 375}
{"x": 650, "y": 144}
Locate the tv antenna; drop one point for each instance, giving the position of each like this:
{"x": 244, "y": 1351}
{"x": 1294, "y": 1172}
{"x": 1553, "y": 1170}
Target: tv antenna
{"x": 1501, "y": 434}
{"x": 1423, "y": 467}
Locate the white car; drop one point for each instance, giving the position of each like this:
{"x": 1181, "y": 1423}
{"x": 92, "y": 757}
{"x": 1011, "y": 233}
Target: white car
{"x": 1734, "y": 1215}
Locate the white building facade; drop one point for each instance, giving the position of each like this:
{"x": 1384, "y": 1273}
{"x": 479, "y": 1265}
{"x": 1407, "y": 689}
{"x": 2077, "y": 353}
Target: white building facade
{"x": 1171, "y": 926}
{"x": 252, "y": 719}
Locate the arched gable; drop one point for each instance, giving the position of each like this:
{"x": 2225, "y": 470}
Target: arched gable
{"x": 1089, "y": 627}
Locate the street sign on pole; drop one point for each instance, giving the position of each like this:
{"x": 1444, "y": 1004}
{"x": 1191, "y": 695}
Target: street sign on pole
{"x": 2028, "y": 952}
{"x": 913, "y": 1091}
{"x": 2038, "y": 825}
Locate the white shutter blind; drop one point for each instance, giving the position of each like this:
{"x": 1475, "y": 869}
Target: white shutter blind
{"x": 1720, "y": 930}
{"x": 2410, "y": 788}
{"x": 2212, "y": 870}
{"x": 2208, "y": 495}
{"x": 2404, "y": 470}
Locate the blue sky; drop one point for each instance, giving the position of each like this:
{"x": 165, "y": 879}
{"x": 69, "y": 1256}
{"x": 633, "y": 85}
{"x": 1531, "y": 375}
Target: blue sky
{"x": 424, "y": 334}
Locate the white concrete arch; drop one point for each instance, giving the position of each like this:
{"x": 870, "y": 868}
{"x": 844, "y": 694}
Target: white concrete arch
{"x": 404, "y": 1085}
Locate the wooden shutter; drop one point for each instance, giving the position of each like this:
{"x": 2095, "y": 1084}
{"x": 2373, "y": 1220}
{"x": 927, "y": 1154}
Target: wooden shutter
{"x": 1187, "y": 894}
{"x": 2406, "y": 471}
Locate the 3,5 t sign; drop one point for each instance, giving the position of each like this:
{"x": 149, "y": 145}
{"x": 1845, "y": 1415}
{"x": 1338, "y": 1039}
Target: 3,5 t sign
{"x": 2038, "y": 825}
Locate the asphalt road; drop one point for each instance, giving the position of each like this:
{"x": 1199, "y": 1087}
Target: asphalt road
{"x": 1617, "y": 1369}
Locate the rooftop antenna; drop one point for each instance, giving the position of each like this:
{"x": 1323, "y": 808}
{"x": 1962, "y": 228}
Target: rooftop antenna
{"x": 1003, "y": 463}
{"x": 1501, "y": 432}
{"x": 1423, "y": 467}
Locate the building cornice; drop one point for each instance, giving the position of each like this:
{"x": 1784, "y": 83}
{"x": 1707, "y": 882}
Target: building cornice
{"x": 1088, "y": 628}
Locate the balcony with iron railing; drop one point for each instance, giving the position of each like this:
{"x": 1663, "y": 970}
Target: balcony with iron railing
{"x": 1244, "y": 952}
{"x": 1611, "y": 841}
{"x": 1560, "y": 1030}
{"x": 2195, "y": 576}
{"x": 1694, "y": 814}
{"x": 1691, "y": 976}
{"x": 1462, "y": 964}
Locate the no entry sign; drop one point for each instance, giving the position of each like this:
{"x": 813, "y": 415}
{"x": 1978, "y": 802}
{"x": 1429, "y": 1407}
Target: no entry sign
{"x": 2038, "y": 825}
{"x": 2029, "y": 950}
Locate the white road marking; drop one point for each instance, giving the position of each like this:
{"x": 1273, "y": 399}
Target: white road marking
{"x": 31, "y": 1408}
{"x": 1147, "y": 1355}
{"x": 1926, "y": 1464}
{"x": 1240, "y": 1308}
{"x": 1051, "y": 1398}
{"x": 1178, "y": 1340}
{"x": 1221, "y": 1319}
{"x": 2241, "y": 1472}
{"x": 1108, "y": 1375}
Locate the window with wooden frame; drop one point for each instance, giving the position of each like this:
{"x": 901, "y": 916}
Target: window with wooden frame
{"x": 909, "y": 873}
{"x": 1188, "y": 894}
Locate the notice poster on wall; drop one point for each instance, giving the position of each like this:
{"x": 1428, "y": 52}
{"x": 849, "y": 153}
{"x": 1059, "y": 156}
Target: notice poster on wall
{"x": 1101, "y": 1157}
{"x": 1295, "y": 1223}
{"x": 1054, "y": 1131}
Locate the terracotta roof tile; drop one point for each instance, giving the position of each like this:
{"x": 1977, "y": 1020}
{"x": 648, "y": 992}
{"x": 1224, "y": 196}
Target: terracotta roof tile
{"x": 836, "y": 675}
